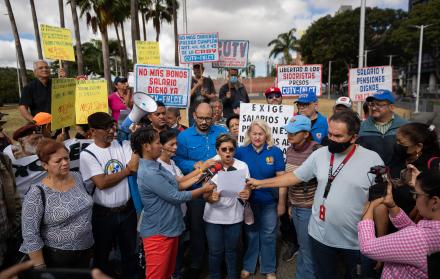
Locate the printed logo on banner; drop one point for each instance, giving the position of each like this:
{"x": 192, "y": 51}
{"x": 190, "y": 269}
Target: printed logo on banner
{"x": 232, "y": 54}
{"x": 364, "y": 82}
{"x": 276, "y": 116}
{"x": 198, "y": 47}
{"x": 295, "y": 80}
{"x": 170, "y": 85}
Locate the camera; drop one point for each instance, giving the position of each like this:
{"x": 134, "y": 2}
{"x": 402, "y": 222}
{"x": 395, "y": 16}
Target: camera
{"x": 379, "y": 189}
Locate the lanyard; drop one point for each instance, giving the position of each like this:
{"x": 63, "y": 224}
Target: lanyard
{"x": 331, "y": 175}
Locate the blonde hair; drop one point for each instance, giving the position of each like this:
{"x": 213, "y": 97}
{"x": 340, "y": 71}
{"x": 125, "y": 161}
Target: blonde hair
{"x": 263, "y": 126}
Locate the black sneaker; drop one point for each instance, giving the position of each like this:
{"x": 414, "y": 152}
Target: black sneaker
{"x": 291, "y": 250}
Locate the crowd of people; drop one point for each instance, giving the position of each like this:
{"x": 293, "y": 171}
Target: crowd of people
{"x": 147, "y": 196}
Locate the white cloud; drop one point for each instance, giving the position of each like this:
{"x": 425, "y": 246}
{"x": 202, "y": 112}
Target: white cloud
{"x": 258, "y": 21}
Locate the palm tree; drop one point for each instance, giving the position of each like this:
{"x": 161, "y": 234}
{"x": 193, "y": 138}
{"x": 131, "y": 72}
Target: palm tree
{"x": 176, "y": 39}
{"x": 61, "y": 9}
{"x": 134, "y": 26}
{"x": 101, "y": 19}
{"x": 144, "y": 5}
{"x": 284, "y": 43}
{"x": 119, "y": 13}
{"x": 79, "y": 55}
{"x": 18, "y": 48}
{"x": 159, "y": 11}
{"x": 36, "y": 30}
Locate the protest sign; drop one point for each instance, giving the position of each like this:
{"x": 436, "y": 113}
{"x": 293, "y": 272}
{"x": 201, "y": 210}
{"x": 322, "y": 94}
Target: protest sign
{"x": 63, "y": 102}
{"x": 364, "y": 82}
{"x": 170, "y": 85}
{"x": 295, "y": 80}
{"x": 198, "y": 47}
{"x": 276, "y": 116}
{"x": 148, "y": 52}
{"x": 57, "y": 43}
{"x": 232, "y": 54}
{"x": 91, "y": 97}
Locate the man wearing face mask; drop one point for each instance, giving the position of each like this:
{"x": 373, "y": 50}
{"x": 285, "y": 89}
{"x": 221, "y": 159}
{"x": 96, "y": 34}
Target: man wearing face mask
{"x": 232, "y": 92}
{"x": 341, "y": 170}
{"x": 378, "y": 132}
{"x": 307, "y": 105}
{"x": 202, "y": 90}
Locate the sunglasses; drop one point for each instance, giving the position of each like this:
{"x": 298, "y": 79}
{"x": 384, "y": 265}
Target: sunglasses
{"x": 227, "y": 149}
{"x": 273, "y": 96}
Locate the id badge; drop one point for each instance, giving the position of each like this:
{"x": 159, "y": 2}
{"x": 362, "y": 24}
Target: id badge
{"x": 322, "y": 212}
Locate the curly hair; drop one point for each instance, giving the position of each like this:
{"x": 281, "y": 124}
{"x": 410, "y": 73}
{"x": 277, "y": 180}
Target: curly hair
{"x": 142, "y": 136}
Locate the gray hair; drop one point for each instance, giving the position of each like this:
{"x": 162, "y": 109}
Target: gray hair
{"x": 39, "y": 61}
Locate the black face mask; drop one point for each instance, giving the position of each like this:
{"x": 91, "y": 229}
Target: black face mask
{"x": 401, "y": 151}
{"x": 338, "y": 147}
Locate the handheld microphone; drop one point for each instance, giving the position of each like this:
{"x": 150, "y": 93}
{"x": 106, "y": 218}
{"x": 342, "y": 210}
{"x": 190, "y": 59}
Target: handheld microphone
{"x": 210, "y": 172}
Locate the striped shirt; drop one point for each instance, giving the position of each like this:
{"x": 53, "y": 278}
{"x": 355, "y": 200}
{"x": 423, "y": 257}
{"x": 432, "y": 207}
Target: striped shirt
{"x": 383, "y": 128}
{"x": 301, "y": 195}
{"x": 405, "y": 251}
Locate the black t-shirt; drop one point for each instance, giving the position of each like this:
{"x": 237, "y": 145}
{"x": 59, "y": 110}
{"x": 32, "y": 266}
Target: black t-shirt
{"x": 37, "y": 97}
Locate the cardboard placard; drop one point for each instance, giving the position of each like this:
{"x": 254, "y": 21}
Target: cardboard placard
{"x": 148, "y": 52}
{"x": 198, "y": 47}
{"x": 57, "y": 43}
{"x": 364, "y": 82}
{"x": 233, "y": 54}
{"x": 294, "y": 80}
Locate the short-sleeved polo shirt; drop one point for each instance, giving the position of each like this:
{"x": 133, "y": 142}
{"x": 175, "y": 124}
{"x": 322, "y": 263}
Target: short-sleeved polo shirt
{"x": 37, "y": 96}
{"x": 262, "y": 165}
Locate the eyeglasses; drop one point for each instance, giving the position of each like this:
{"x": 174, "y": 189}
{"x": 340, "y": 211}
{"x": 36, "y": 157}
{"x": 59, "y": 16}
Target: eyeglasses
{"x": 273, "y": 96}
{"x": 204, "y": 119}
{"x": 107, "y": 129}
{"x": 302, "y": 105}
{"x": 227, "y": 149}
{"x": 417, "y": 194}
{"x": 380, "y": 106}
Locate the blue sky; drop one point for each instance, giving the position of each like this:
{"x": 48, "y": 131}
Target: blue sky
{"x": 258, "y": 21}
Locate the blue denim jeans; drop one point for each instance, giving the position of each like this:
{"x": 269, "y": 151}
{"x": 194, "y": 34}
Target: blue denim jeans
{"x": 305, "y": 264}
{"x": 223, "y": 239}
{"x": 326, "y": 259}
{"x": 261, "y": 238}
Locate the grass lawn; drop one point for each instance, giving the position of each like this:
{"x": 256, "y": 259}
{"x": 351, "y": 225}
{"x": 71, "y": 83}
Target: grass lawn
{"x": 325, "y": 107}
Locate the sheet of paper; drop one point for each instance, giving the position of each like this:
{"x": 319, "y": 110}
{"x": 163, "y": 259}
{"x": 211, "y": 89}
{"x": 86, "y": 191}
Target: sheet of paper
{"x": 230, "y": 183}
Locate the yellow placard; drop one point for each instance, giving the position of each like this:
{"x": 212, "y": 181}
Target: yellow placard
{"x": 91, "y": 97}
{"x": 63, "y": 102}
{"x": 57, "y": 43}
{"x": 148, "y": 53}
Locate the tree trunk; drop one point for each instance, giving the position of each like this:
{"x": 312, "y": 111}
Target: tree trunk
{"x": 143, "y": 26}
{"x": 120, "y": 49}
{"x": 79, "y": 56}
{"x": 157, "y": 32}
{"x": 124, "y": 45}
{"x": 36, "y": 30}
{"x": 61, "y": 8}
{"x": 18, "y": 48}
{"x": 176, "y": 39}
{"x": 106, "y": 57}
{"x": 134, "y": 37}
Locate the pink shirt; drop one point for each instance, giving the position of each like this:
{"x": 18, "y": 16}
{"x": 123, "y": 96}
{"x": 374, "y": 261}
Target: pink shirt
{"x": 116, "y": 104}
{"x": 404, "y": 252}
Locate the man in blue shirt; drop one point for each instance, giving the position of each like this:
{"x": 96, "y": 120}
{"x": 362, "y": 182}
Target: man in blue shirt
{"x": 307, "y": 105}
{"x": 195, "y": 145}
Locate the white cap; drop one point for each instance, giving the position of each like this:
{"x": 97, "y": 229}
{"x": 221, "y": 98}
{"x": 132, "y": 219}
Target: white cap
{"x": 345, "y": 101}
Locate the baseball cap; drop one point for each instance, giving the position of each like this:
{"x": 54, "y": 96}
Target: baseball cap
{"x": 382, "y": 95}
{"x": 298, "y": 123}
{"x": 23, "y": 131}
{"x": 100, "y": 120}
{"x": 271, "y": 90}
{"x": 306, "y": 98}
{"x": 120, "y": 79}
{"x": 345, "y": 101}
{"x": 42, "y": 118}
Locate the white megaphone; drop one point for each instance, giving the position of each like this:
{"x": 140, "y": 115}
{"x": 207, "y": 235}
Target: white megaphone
{"x": 142, "y": 104}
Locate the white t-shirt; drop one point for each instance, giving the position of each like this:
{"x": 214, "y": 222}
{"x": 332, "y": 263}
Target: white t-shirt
{"x": 228, "y": 210}
{"x": 174, "y": 169}
{"x": 347, "y": 196}
{"x": 112, "y": 159}
{"x": 27, "y": 170}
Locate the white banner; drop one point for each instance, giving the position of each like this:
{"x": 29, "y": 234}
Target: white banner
{"x": 170, "y": 85}
{"x": 233, "y": 54}
{"x": 198, "y": 47}
{"x": 276, "y": 116}
{"x": 364, "y": 82}
{"x": 295, "y": 80}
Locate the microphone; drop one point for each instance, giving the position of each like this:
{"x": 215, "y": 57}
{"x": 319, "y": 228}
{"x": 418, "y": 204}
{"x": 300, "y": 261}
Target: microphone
{"x": 210, "y": 172}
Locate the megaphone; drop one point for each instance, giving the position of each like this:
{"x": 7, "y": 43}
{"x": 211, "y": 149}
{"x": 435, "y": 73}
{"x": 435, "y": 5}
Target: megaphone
{"x": 143, "y": 104}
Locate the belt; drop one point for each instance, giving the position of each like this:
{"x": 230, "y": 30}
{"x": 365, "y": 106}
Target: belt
{"x": 67, "y": 252}
{"x": 119, "y": 209}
